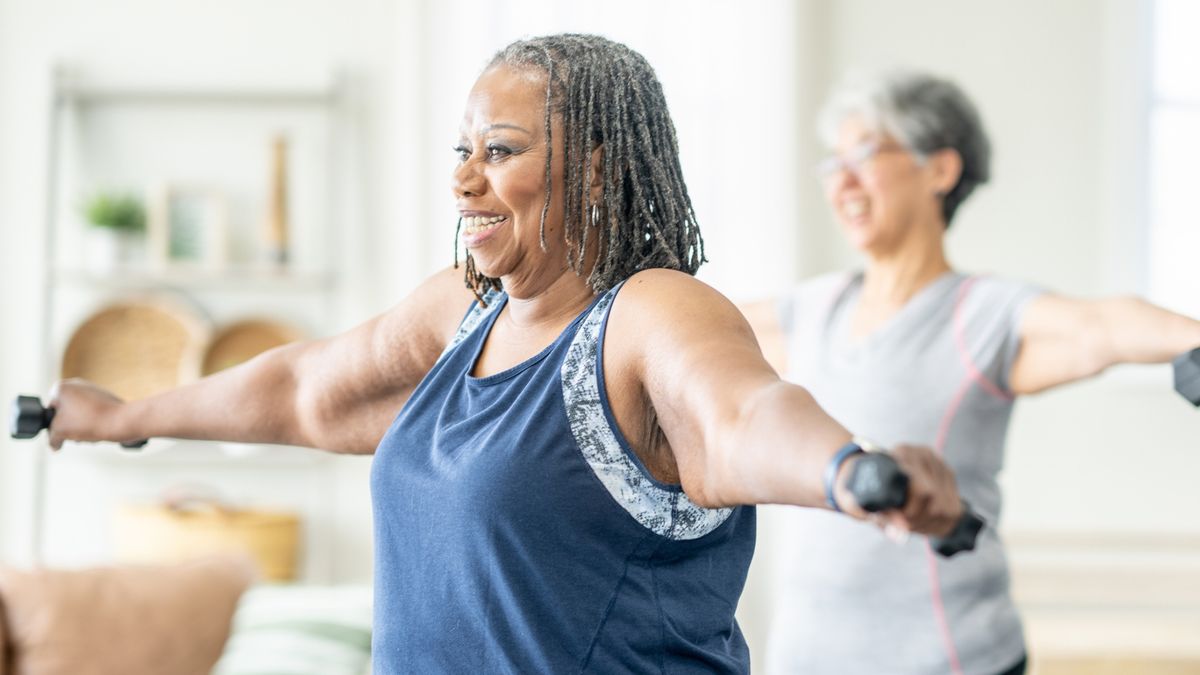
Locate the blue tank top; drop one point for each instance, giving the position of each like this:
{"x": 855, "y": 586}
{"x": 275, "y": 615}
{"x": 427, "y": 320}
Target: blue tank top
{"x": 517, "y": 532}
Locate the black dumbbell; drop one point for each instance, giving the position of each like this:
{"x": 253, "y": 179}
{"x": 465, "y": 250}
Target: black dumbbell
{"x": 878, "y": 484}
{"x": 29, "y": 417}
{"x": 1187, "y": 376}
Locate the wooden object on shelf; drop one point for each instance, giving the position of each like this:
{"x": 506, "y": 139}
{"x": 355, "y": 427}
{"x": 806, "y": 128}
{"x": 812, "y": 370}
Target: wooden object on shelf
{"x": 187, "y": 225}
{"x": 138, "y": 347}
{"x": 177, "y": 531}
{"x": 241, "y": 341}
{"x": 277, "y": 207}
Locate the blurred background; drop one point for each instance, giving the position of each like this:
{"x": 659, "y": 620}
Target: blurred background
{"x": 183, "y": 184}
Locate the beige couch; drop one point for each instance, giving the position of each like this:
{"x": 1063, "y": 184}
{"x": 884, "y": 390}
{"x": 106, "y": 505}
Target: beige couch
{"x": 132, "y": 620}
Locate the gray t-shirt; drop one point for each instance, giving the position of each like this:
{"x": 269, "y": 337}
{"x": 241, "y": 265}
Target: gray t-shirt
{"x": 852, "y": 601}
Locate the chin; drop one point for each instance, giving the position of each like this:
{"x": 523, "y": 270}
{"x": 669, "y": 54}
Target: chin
{"x": 483, "y": 265}
{"x": 862, "y": 240}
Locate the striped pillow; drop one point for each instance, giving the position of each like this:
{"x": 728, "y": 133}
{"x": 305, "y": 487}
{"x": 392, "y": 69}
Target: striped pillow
{"x": 300, "y": 630}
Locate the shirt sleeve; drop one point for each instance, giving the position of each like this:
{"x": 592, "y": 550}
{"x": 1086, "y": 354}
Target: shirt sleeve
{"x": 990, "y": 325}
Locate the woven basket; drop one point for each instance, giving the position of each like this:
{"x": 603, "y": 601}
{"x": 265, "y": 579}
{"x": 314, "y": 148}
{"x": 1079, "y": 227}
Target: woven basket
{"x": 138, "y": 348}
{"x": 242, "y": 341}
{"x": 163, "y": 533}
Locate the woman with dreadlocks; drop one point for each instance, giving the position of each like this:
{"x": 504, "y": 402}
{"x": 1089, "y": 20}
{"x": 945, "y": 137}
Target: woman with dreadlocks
{"x": 564, "y": 478}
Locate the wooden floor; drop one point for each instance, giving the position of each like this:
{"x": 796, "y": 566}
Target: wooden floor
{"x": 1115, "y": 666}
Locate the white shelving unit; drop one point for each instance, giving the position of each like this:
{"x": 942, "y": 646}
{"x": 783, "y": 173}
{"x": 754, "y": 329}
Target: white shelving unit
{"x": 109, "y": 134}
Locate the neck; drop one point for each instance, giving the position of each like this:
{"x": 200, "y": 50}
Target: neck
{"x": 894, "y": 276}
{"x": 533, "y": 302}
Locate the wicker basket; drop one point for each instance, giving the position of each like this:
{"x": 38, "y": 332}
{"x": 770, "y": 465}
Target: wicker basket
{"x": 242, "y": 341}
{"x": 139, "y": 347}
{"x": 171, "y": 532}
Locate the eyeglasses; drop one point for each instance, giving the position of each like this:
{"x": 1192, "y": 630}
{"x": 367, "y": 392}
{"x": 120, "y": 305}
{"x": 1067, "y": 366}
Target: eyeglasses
{"x": 854, "y": 162}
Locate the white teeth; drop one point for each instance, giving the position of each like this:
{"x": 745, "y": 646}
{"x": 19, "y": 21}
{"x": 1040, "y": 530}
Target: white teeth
{"x": 477, "y": 224}
{"x": 854, "y": 208}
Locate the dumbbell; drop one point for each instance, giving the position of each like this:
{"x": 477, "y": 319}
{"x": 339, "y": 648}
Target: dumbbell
{"x": 1187, "y": 376}
{"x": 879, "y": 484}
{"x": 29, "y": 417}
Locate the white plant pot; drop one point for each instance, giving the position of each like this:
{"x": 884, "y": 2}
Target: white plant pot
{"x": 109, "y": 250}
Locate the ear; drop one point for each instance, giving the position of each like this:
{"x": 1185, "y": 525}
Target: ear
{"x": 596, "y": 187}
{"x": 947, "y": 167}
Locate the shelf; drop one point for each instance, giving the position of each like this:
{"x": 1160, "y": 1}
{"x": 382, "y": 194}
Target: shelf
{"x": 200, "y": 134}
{"x": 232, "y": 97}
{"x": 236, "y": 277}
{"x": 316, "y": 90}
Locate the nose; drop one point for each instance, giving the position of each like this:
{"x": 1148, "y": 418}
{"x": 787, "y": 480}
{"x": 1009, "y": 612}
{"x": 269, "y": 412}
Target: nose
{"x": 467, "y": 180}
{"x": 840, "y": 179}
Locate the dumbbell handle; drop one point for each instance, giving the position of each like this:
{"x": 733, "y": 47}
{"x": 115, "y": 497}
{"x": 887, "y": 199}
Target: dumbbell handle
{"x": 29, "y": 417}
{"x": 878, "y": 484}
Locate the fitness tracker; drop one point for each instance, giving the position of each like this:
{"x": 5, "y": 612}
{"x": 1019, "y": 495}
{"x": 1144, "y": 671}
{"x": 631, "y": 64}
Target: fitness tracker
{"x": 831, "y": 470}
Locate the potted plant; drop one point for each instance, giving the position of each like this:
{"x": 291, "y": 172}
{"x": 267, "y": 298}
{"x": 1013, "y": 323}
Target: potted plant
{"x": 119, "y": 221}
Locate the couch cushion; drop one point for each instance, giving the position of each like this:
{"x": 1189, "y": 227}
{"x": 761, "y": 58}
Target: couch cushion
{"x": 300, "y": 630}
{"x": 5, "y": 652}
{"x": 134, "y": 620}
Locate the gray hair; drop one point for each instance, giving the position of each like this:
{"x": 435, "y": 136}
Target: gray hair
{"x": 923, "y": 112}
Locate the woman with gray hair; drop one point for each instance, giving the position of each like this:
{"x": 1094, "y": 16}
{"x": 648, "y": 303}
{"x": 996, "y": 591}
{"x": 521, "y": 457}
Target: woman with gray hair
{"x": 910, "y": 350}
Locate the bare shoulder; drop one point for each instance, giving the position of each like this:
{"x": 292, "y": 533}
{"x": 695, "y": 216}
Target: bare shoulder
{"x": 672, "y": 293}
{"x": 664, "y": 311}
{"x": 442, "y": 300}
{"x": 425, "y": 321}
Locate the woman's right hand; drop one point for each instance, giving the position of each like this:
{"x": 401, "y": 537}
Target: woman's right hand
{"x": 934, "y": 505}
{"x": 83, "y": 412}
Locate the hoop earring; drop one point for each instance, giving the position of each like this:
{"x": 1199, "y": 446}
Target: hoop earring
{"x": 595, "y": 215}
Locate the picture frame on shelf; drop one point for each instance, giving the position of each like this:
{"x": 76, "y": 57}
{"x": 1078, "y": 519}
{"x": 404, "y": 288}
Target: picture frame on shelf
{"x": 188, "y": 226}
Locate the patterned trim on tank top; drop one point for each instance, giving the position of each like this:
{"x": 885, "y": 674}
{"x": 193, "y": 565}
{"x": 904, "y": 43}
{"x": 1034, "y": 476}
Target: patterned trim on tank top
{"x": 474, "y": 317}
{"x": 668, "y": 513}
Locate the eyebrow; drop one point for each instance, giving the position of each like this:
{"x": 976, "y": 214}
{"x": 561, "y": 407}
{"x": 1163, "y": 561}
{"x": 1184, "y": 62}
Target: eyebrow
{"x": 502, "y": 125}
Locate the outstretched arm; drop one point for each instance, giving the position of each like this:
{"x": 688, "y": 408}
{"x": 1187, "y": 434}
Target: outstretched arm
{"x": 336, "y": 394}
{"x": 1064, "y": 339}
{"x": 740, "y": 434}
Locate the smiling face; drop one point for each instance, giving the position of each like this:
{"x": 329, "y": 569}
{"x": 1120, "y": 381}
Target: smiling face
{"x": 500, "y": 181}
{"x": 880, "y": 191}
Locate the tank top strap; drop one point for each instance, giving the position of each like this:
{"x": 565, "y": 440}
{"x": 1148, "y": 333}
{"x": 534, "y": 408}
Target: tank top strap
{"x": 492, "y": 301}
{"x": 662, "y": 508}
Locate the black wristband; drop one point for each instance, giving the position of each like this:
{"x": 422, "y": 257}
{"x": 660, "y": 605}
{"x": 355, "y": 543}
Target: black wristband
{"x": 831, "y": 471}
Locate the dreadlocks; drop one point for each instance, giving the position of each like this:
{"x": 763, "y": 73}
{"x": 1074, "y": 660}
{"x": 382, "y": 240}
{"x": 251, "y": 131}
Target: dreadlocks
{"x": 608, "y": 95}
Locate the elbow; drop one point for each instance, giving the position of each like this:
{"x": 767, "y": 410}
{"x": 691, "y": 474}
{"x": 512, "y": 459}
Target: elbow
{"x": 1095, "y": 356}
{"x": 1098, "y": 347}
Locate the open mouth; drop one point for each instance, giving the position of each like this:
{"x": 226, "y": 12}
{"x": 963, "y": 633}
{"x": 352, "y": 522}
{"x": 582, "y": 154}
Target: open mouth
{"x": 475, "y": 225}
{"x": 854, "y": 208}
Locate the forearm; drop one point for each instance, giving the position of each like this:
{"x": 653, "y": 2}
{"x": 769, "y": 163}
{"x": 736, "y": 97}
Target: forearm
{"x": 1136, "y": 331}
{"x": 253, "y": 403}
